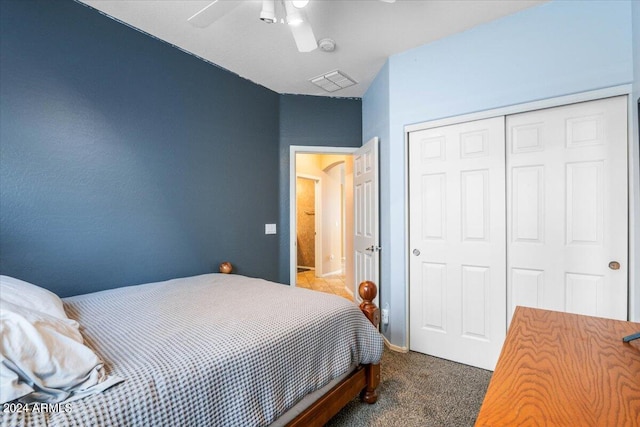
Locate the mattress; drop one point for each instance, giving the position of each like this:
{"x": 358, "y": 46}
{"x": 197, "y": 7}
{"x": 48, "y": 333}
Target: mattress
{"x": 210, "y": 350}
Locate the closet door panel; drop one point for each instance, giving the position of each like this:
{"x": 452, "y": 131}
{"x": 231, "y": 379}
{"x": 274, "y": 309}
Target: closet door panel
{"x": 457, "y": 238}
{"x": 567, "y": 208}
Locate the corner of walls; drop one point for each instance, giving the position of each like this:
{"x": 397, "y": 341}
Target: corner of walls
{"x": 376, "y": 105}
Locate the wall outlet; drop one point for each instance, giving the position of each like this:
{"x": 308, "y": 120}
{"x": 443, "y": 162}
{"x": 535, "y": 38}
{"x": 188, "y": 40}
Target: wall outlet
{"x": 385, "y": 316}
{"x": 269, "y": 229}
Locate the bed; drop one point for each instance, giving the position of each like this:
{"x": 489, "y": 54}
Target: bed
{"x": 221, "y": 349}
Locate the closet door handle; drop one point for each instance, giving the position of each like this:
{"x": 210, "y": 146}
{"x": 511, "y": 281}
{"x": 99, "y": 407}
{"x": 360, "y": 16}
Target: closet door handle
{"x": 416, "y": 252}
{"x": 614, "y": 265}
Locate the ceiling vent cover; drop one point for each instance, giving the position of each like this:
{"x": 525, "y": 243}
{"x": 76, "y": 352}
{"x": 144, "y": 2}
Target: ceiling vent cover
{"x": 333, "y": 81}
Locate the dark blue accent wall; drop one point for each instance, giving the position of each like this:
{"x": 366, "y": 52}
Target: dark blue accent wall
{"x": 312, "y": 121}
{"x": 124, "y": 160}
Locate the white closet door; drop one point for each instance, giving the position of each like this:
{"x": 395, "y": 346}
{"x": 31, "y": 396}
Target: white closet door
{"x": 457, "y": 238}
{"x": 567, "y": 208}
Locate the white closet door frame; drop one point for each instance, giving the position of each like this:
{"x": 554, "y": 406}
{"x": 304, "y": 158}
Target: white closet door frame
{"x": 633, "y": 171}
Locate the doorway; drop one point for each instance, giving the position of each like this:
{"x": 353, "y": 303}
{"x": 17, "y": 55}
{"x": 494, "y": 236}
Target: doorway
{"x": 321, "y": 219}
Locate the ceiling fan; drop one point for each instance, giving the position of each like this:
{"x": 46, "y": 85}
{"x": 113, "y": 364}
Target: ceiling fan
{"x": 293, "y": 11}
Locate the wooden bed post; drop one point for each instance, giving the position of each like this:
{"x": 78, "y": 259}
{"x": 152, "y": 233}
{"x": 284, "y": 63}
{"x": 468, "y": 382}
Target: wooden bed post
{"x": 368, "y": 292}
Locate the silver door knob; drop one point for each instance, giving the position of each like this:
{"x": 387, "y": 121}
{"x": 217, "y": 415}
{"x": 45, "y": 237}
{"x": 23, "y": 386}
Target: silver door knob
{"x": 416, "y": 252}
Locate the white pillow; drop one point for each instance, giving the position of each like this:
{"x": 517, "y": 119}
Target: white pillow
{"x": 44, "y": 359}
{"x": 30, "y": 296}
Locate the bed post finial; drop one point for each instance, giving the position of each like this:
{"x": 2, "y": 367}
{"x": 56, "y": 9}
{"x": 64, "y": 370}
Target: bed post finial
{"x": 368, "y": 292}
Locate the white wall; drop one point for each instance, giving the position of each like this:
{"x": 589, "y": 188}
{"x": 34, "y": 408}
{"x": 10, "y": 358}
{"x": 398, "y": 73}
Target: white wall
{"x": 332, "y": 219}
{"x": 551, "y": 50}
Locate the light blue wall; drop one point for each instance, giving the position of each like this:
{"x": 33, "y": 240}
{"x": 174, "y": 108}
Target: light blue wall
{"x": 554, "y": 49}
{"x": 375, "y": 122}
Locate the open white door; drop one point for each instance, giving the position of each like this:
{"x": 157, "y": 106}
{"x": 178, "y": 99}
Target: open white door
{"x": 366, "y": 243}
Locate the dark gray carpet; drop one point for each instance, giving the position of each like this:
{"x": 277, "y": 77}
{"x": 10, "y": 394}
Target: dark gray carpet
{"x": 420, "y": 390}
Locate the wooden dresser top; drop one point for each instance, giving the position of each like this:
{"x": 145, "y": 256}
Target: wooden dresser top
{"x": 561, "y": 369}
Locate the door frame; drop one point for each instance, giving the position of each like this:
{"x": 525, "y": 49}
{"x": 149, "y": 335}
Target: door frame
{"x": 293, "y": 150}
{"x": 317, "y": 200}
{"x": 633, "y": 168}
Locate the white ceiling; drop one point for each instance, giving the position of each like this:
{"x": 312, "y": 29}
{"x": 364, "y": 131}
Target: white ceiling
{"x": 366, "y": 33}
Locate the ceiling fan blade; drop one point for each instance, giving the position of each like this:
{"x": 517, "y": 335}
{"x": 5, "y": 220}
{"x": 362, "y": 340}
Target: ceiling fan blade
{"x": 300, "y": 27}
{"x": 211, "y": 13}
{"x": 304, "y": 37}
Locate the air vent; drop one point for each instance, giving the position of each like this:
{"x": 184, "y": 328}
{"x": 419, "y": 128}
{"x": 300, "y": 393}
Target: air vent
{"x": 333, "y": 81}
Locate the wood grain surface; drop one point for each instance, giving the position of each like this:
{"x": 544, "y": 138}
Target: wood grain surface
{"x": 561, "y": 369}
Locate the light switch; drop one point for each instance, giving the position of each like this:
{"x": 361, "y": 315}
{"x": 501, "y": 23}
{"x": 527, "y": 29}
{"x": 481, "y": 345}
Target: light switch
{"x": 269, "y": 229}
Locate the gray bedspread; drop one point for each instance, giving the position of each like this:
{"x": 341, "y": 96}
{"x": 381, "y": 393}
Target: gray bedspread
{"x": 211, "y": 350}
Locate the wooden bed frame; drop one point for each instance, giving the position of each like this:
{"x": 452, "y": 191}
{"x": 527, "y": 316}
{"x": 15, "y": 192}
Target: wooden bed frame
{"x": 363, "y": 381}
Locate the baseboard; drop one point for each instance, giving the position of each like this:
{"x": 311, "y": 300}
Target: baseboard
{"x": 349, "y": 291}
{"x": 333, "y": 273}
{"x": 395, "y": 348}
{"x": 304, "y": 266}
